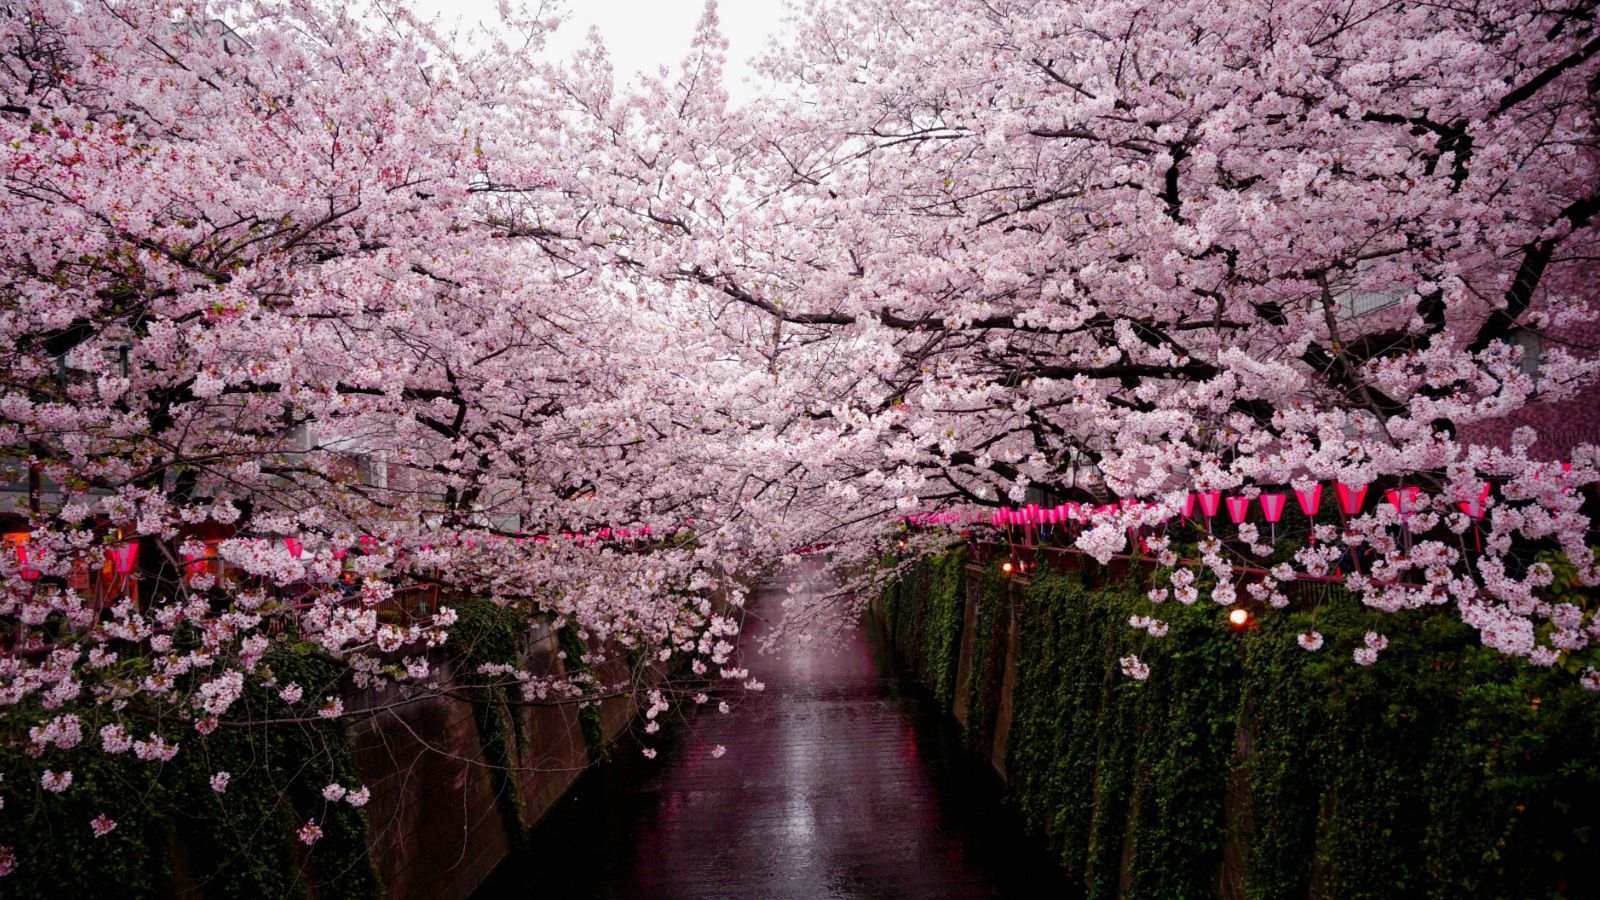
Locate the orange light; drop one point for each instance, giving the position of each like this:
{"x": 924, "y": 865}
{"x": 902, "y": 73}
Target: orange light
{"x": 1006, "y": 567}
{"x": 1239, "y": 617}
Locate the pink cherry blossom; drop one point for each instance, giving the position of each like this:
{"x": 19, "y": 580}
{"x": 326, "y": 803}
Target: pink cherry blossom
{"x": 1133, "y": 668}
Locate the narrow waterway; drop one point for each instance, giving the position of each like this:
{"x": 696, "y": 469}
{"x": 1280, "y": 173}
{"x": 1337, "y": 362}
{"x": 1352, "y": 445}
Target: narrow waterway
{"x": 841, "y": 779}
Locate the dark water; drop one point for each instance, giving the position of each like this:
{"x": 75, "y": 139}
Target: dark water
{"x": 841, "y": 779}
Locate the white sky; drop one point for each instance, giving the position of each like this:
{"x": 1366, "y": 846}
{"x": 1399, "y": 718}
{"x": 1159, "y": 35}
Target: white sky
{"x": 644, "y": 34}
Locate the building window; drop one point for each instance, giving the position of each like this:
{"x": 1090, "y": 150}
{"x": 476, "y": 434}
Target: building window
{"x": 1532, "y": 344}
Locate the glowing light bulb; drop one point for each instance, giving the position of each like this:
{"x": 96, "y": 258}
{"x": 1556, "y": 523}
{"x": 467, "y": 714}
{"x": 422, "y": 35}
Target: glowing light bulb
{"x": 1006, "y": 567}
{"x": 1239, "y": 617}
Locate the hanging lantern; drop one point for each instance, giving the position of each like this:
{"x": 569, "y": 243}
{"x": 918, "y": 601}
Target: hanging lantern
{"x": 123, "y": 556}
{"x": 340, "y": 553}
{"x": 1351, "y": 499}
{"x": 1209, "y": 501}
{"x": 1404, "y": 500}
{"x": 1310, "y": 501}
{"x": 195, "y": 565}
{"x": 24, "y": 570}
{"x": 296, "y": 548}
{"x": 1272, "y": 506}
{"x": 1238, "y": 509}
{"x": 1474, "y": 510}
{"x": 1188, "y": 507}
{"x": 1272, "y": 511}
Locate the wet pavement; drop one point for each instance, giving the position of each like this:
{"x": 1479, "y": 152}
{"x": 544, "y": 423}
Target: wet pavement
{"x": 841, "y": 779}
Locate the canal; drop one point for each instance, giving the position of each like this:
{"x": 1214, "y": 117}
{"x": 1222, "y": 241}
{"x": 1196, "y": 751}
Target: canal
{"x": 841, "y": 779}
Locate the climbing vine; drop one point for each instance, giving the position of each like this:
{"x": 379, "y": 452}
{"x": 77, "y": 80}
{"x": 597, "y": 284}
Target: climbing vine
{"x": 174, "y": 832}
{"x": 988, "y": 662}
{"x": 941, "y": 630}
{"x": 1247, "y": 765}
{"x": 594, "y": 736}
{"x": 486, "y": 633}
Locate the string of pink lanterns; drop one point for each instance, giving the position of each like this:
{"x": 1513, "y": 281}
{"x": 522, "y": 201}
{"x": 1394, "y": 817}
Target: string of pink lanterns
{"x": 1352, "y": 500}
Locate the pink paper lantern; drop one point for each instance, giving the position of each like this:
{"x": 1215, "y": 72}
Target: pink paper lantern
{"x": 1209, "y": 501}
{"x": 27, "y": 572}
{"x": 1351, "y": 499}
{"x": 1188, "y": 507}
{"x": 1310, "y": 501}
{"x": 295, "y": 547}
{"x": 123, "y": 556}
{"x": 1238, "y": 509}
{"x": 1272, "y": 506}
{"x": 1404, "y": 500}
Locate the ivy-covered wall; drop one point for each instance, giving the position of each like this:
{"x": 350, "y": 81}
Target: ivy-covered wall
{"x": 1246, "y": 766}
{"x": 174, "y": 833}
{"x": 455, "y": 785}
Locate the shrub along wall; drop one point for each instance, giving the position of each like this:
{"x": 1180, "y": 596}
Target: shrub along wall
{"x": 1246, "y": 766}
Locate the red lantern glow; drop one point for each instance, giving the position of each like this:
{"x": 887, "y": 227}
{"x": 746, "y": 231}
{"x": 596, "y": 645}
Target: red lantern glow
{"x": 27, "y": 572}
{"x": 123, "y": 556}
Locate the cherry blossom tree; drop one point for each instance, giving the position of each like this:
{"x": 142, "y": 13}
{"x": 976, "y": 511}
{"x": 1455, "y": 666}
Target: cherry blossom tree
{"x": 349, "y": 305}
{"x": 1130, "y": 250}
{"x": 308, "y": 294}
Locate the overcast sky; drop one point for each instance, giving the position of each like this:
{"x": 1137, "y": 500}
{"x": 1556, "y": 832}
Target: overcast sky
{"x": 644, "y": 34}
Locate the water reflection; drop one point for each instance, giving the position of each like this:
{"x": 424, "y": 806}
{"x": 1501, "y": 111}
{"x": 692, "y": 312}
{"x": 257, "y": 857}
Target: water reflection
{"x": 840, "y": 780}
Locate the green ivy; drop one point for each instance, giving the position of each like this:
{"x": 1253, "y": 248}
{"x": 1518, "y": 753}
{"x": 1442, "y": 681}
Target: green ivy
{"x": 486, "y": 633}
{"x": 988, "y": 662}
{"x": 594, "y": 735}
{"x": 1247, "y": 765}
{"x": 173, "y": 829}
{"x": 941, "y": 631}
